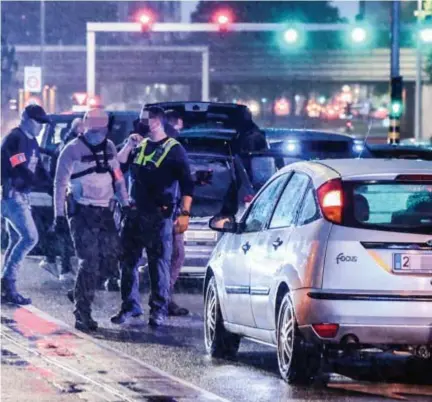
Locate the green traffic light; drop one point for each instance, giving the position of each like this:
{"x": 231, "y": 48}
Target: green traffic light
{"x": 426, "y": 35}
{"x": 358, "y": 35}
{"x": 291, "y": 36}
{"x": 396, "y": 109}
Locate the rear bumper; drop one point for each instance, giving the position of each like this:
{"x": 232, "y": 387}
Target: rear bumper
{"x": 372, "y": 319}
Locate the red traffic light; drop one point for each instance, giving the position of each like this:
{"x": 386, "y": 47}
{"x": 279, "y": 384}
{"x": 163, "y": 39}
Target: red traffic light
{"x": 223, "y": 18}
{"x": 146, "y": 19}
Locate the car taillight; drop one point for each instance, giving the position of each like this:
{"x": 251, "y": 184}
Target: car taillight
{"x": 248, "y": 198}
{"x": 326, "y": 330}
{"x": 330, "y": 196}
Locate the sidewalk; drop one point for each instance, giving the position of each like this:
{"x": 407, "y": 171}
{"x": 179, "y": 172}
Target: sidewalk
{"x": 66, "y": 364}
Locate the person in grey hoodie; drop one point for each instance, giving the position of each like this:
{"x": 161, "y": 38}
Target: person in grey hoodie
{"x": 89, "y": 172}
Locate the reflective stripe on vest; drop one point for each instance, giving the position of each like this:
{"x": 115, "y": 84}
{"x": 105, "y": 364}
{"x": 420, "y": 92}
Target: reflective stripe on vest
{"x": 160, "y": 153}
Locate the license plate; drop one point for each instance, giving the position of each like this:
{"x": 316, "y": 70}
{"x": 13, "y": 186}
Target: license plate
{"x": 406, "y": 263}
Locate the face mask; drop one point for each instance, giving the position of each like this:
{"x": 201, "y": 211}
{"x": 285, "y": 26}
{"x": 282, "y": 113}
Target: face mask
{"x": 32, "y": 127}
{"x": 96, "y": 137}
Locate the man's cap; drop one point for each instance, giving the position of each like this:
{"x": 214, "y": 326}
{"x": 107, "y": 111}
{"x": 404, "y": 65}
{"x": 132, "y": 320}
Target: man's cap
{"x": 37, "y": 113}
{"x": 95, "y": 119}
{"x": 152, "y": 112}
{"x": 173, "y": 115}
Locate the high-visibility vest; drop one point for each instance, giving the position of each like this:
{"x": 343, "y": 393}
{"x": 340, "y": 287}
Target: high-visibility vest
{"x": 157, "y": 156}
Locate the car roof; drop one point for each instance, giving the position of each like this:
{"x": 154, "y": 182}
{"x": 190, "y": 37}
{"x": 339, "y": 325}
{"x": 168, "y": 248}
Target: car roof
{"x": 224, "y": 115}
{"x": 400, "y": 151}
{"x": 304, "y": 134}
{"x": 359, "y": 169}
{"x": 213, "y": 133}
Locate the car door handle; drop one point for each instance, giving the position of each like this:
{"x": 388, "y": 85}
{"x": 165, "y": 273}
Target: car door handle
{"x": 277, "y": 243}
{"x": 246, "y": 247}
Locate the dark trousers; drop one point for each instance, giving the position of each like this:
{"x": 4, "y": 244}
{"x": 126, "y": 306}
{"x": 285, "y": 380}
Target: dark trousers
{"x": 154, "y": 233}
{"x": 97, "y": 246}
{"x": 60, "y": 244}
{"x": 177, "y": 259}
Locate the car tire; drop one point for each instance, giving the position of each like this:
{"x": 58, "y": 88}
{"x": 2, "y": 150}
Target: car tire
{"x": 299, "y": 363}
{"x": 218, "y": 341}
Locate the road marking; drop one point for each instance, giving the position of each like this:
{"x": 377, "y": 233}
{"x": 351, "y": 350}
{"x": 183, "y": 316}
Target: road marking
{"x": 395, "y": 391}
{"x": 83, "y": 357}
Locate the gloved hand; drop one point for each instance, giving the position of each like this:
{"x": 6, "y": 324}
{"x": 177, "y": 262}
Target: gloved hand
{"x": 60, "y": 225}
{"x": 128, "y": 212}
{"x": 134, "y": 140}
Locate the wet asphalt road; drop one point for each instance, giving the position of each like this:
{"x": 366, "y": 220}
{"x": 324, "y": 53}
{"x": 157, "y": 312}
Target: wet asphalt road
{"x": 178, "y": 349}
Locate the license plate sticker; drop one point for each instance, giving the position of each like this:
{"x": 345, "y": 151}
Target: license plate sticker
{"x": 406, "y": 263}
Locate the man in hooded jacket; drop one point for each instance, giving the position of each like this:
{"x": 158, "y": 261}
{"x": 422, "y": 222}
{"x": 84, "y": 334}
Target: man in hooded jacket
{"x": 89, "y": 169}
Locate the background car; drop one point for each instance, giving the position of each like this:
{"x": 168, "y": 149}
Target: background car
{"x": 296, "y": 144}
{"x": 399, "y": 152}
{"x": 330, "y": 255}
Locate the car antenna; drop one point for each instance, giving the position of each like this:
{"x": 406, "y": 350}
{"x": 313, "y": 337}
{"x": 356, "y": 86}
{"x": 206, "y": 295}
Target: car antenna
{"x": 366, "y": 138}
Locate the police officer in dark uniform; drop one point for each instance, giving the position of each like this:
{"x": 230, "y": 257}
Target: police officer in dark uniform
{"x": 21, "y": 169}
{"x": 158, "y": 165}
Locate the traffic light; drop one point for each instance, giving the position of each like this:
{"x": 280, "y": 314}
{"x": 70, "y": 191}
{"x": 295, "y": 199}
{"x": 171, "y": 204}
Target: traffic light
{"x": 223, "y": 18}
{"x": 146, "y": 19}
{"x": 396, "y": 106}
{"x": 359, "y": 35}
{"x": 396, "y": 110}
{"x": 425, "y": 34}
{"x": 291, "y": 35}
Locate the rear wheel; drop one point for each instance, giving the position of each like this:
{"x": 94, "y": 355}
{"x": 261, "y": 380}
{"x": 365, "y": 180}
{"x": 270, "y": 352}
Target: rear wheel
{"x": 218, "y": 341}
{"x": 298, "y": 362}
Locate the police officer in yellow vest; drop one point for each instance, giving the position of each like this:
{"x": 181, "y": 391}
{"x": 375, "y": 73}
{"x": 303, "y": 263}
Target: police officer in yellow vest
{"x": 158, "y": 167}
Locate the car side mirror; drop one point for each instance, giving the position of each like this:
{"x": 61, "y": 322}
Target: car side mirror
{"x": 224, "y": 224}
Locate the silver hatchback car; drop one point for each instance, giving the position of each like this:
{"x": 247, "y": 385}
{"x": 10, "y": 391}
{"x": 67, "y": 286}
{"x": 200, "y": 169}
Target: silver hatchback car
{"x": 330, "y": 255}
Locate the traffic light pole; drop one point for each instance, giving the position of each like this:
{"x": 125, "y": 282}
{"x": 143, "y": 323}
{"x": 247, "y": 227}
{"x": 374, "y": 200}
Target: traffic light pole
{"x": 418, "y": 84}
{"x": 396, "y": 82}
{"x": 94, "y": 27}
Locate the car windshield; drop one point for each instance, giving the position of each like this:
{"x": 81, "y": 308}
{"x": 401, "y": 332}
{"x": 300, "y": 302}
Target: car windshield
{"x": 213, "y": 177}
{"x": 392, "y": 206}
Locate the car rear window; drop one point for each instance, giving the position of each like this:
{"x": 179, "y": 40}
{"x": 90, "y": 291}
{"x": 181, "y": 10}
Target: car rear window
{"x": 390, "y": 206}
{"x": 213, "y": 177}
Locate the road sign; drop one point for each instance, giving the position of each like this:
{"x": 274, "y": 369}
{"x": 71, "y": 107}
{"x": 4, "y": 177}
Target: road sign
{"x": 32, "y": 79}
